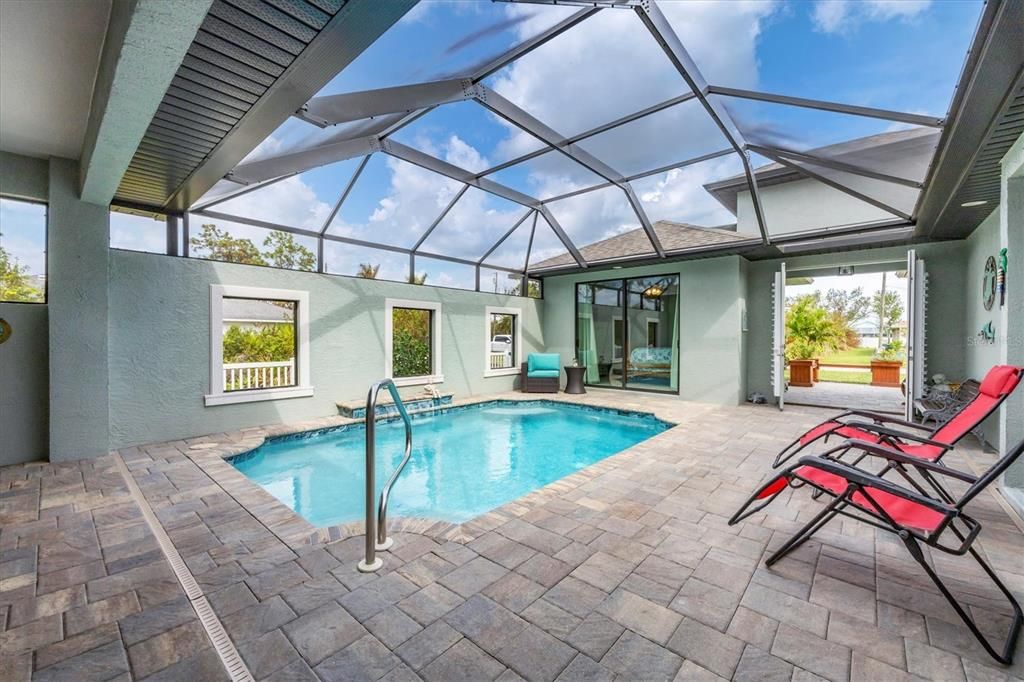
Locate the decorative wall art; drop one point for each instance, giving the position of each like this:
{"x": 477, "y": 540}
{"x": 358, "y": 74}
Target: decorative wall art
{"x": 988, "y": 283}
{"x": 1002, "y": 277}
{"x": 5, "y": 330}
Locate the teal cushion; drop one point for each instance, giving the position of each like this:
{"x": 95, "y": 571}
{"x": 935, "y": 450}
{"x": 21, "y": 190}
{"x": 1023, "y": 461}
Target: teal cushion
{"x": 545, "y": 361}
{"x": 542, "y": 373}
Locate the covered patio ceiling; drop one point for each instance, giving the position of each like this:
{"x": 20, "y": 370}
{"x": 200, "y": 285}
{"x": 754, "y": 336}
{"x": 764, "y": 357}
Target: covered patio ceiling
{"x": 489, "y": 146}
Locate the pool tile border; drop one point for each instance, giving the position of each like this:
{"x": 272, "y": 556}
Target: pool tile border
{"x": 213, "y": 452}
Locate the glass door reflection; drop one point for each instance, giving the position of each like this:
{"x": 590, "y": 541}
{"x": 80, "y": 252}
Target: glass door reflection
{"x": 627, "y": 333}
{"x": 600, "y": 334}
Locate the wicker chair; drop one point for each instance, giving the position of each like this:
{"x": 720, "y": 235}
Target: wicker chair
{"x": 540, "y": 373}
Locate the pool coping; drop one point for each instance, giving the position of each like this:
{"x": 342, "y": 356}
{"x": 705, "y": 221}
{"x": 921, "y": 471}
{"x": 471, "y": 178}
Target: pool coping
{"x": 211, "y": 453}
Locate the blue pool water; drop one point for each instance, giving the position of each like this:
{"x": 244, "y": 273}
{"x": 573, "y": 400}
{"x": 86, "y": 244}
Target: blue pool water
{"x": 465, "y": 460}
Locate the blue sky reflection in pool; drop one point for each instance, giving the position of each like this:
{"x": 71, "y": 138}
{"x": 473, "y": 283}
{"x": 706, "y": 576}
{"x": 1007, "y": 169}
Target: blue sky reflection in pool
{"x": 465, "y": 462}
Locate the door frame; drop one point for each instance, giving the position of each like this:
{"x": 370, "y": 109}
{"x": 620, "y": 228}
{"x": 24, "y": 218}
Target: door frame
{"x": 624, "y": 313}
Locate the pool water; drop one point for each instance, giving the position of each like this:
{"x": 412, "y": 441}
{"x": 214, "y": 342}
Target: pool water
{"x": 465, "y": 460}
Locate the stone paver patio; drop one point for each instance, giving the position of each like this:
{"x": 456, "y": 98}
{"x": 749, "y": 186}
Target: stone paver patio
{"x": 624, "y": 570}
{"x": 842, "y": 396}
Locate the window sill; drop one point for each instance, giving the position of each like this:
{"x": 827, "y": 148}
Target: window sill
{"x": 419, "y": 381}
{"x": 507, "y": 372}
{"x": 258, "y": 395}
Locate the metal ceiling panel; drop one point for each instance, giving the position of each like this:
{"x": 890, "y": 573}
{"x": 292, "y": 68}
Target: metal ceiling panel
{"x": 985, "y": 119}
{"x": 252, "y": 64}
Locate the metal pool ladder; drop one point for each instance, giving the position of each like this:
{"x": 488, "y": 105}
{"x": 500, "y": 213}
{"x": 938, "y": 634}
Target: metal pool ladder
{"x": 377, "y": 526}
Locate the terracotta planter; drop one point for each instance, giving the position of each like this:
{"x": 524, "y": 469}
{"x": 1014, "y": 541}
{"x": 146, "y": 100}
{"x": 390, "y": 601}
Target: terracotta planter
{"x": 815, "y": 368}
{"x": 801, "y": 373}
{"x": 886, "y": 373}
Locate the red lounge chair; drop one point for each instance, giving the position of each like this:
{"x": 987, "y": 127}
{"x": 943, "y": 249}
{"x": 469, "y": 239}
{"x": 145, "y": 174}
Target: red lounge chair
{"x": 910, "y": 513}
{"x": 927, "y": 444}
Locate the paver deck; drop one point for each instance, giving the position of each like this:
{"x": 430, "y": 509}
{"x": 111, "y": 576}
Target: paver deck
{"x": 625, "y": 570}
{"x": 842, "y": 396}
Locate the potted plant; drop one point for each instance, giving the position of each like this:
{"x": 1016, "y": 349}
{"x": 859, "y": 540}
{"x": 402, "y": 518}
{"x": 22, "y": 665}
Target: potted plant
{"x": 810, "y": 331}
{"x": 800, "y": 353}
{"x": 885, "y": 366}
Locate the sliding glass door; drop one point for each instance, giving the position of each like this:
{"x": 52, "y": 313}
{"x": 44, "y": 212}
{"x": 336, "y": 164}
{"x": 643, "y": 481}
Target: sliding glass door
{"x": 627, "y": 333}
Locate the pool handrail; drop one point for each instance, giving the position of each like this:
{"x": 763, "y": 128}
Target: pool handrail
{"x": 377, "y": 528}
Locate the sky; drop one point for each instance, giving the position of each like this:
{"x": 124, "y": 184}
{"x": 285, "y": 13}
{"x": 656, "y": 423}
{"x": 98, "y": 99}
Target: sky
{"x": 870, "y": 283}
{"x": 898, "y": 54}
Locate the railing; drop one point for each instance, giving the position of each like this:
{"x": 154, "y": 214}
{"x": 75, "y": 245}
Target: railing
{"x": 377, "y": 528}
{"x": 244, "y": 375}
{"x": 502, "y": 360}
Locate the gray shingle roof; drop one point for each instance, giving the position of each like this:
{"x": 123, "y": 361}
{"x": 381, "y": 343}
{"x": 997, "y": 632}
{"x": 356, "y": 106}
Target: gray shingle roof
{"x": 673, "y": 237}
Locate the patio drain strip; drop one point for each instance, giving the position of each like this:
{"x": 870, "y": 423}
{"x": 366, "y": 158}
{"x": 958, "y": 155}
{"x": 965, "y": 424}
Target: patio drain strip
{"x": 222, "y": 644}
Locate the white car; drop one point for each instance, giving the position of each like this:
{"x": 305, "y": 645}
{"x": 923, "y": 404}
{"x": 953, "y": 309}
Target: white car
{"x": 501, "y": 343}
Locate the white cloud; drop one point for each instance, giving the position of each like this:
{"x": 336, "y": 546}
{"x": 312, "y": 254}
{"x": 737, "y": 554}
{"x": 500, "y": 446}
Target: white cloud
{"x": 679, "y": 195}
{"x": 838, "y": 16}
{"x": 289, "y": 202}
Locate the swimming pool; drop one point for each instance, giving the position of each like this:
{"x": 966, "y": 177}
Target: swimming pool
{"x": 465, "y": 460}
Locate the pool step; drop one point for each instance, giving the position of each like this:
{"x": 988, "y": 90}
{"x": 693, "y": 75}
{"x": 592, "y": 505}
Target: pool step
{"x": 356, "y": 409}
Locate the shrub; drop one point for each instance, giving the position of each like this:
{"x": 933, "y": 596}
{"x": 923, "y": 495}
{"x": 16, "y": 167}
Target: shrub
{"x": 810, "y": 329}
{"x": 891, "y": 351}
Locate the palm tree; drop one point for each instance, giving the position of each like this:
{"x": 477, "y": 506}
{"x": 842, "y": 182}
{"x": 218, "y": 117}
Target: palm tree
{"x": 367, "y": 271}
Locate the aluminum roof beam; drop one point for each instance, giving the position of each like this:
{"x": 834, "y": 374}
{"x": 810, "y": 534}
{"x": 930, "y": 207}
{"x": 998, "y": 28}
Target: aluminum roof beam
{"x": 533, "y": 43}
{"x": 356, "y": 106}
{"x": 241, "y": 190}
{"x": 833, "y": 184}
{"x": 505, "y": 236}
{"x": 303, "y": 160}
{"x": 525, "y": 121}
{"x": 346, "y": 240}
{"x": 835, "y": 107}
{"x": 556, "y": 227}
{"x": 344, "y": 194}
{"x": 441, "y": 167}
{"x": 833, "y": 164}
{"x": 437, "y": 221}
{"x": 650, "y": 14}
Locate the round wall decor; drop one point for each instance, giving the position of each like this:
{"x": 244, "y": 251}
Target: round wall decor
{"x": 988, "y": 283}
{"x": 5, "y": 330}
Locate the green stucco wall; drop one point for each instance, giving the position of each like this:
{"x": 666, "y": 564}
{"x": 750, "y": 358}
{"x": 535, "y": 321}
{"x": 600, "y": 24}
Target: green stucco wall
{"x": 710, "y": 312}
{"x": 980, "y": 356}
{"x": 77, "y": 300}
{"x": 160, "y": 340}
{"x": 1011, "y": 316}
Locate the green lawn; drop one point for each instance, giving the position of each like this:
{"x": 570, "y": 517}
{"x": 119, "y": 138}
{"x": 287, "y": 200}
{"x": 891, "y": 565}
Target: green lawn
{"x": 850, "y": 356}
{"x": 844, "y": 377}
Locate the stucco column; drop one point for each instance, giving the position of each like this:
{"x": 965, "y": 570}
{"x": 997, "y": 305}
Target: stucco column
{"x": 78, "y": 234}
{"x": 1012, "y": 314}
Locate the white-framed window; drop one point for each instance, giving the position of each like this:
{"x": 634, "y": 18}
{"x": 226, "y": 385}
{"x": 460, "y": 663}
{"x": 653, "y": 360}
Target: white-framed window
{"x": 503, "y": 337}
{"x": 412, "y": 342}
{"x": 259, "y": 344}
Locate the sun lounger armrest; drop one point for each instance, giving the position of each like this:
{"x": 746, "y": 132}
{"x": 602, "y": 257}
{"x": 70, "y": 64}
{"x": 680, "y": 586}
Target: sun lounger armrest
{"x": 868, "y": 480}
{"x": 895, "y": 456}
{"x": 882, "y": 430}
{"x": 885, "y": 419}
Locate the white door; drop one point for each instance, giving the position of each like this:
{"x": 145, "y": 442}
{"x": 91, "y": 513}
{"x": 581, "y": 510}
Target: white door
{"x": 779, "y": 336}
{"x": 917, "y": 283}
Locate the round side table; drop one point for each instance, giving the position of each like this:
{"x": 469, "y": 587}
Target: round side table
{"x": 574, "y": 380}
